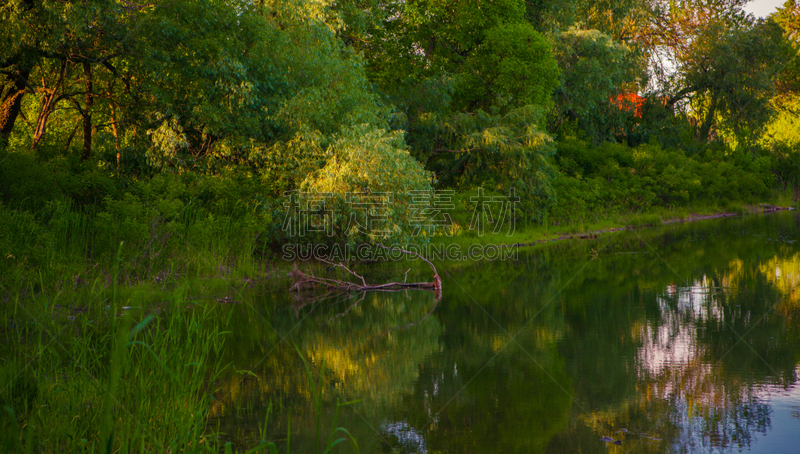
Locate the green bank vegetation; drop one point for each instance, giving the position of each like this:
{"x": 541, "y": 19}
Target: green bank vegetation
{"x": 153, "y": 144}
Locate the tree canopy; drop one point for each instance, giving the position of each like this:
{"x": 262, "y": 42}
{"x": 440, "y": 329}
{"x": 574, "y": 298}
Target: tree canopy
{"x": 478, "y": 92}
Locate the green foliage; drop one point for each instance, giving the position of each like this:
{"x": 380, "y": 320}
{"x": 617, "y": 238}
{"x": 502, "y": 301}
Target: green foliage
{"x": 197, "y": 117}
{"x": 182, "y": 85}
{"x": 595, "y": 69}
{"x": 485, "y": 51}
{"x": 459, "y": 27}
{"x": 512, "y": 67}
{"x": 711, "y": 76}
{"x": 283, "y": 74}
{"x": 286, "y": 163}
{"x": 499, "y": 153}
{"x": 371, "y": 164}
{"x": 596, "y": 181}
{"x": 170, "y": 223}
{"x": 24, "y": 181}
{"x": 788, "y": 80}
{"x": 466, "y": 205}
{"x": 105, "y": 383}
{"x": 205, "y": 113}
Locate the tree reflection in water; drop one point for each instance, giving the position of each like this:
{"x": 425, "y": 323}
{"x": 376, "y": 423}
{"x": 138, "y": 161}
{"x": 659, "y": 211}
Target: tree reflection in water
{"x": 682, "y": 339}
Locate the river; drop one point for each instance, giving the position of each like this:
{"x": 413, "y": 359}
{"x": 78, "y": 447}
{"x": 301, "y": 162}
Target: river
{"x": 682, "y": 338}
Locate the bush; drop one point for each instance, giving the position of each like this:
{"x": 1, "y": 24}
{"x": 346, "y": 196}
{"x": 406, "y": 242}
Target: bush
{"x": 369, "y": 189}
{"x": 615, "y": 177}
{"x": 498, "y": 153}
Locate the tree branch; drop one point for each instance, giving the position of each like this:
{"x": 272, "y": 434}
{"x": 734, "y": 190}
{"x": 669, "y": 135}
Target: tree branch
{"x": 303, "y": 280}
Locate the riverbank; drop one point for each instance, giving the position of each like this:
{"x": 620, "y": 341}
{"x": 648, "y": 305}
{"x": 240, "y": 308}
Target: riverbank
{"x": 61, "y": 250}
{"x": 538, "y": 234}
{"x": 755, "y": 209}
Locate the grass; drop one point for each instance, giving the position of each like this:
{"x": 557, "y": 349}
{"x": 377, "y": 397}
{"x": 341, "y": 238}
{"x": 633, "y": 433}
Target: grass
{"x": 127, "y": 372}
{"x": 105, "y": 348}
{"x": 113, "y": 353}
{"x": 600, "y": 222}
{"x": 107, "y": 379}
{"x": 122, "y": 369}
{"x": 59, "y": 248}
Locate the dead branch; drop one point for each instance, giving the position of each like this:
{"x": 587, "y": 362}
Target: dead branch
{"x": 308, "y": 280}
{"x": 437, "y": 281}
{"x": 364, "y": 282}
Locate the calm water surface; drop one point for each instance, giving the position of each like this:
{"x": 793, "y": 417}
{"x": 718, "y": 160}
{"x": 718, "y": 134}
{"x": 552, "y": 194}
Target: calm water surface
{"x": 679, "y": 339}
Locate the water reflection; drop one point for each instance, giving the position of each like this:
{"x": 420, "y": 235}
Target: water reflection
{"x": 680, "y": 340}
{"x": 696, "y": 354}
{"x": 706, "y": 347}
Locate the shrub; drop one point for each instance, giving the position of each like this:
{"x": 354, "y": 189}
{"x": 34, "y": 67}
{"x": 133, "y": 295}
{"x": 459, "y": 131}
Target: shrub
{"x": 369, "y": 189}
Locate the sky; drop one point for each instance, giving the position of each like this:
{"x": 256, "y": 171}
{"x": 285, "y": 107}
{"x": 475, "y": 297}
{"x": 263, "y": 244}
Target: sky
{"x": 763, "y": 8}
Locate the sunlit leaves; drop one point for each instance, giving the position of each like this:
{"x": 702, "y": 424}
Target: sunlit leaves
{"x": 369, "y": 162}
{"x": 502, "y": 153}
{"x": 726, "y": 94}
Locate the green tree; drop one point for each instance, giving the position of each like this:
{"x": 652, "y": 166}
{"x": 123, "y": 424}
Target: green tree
{"x": 56, "y": 52}
{"x": 782, "y": 134}
{"x": 501, "y": 153}
{"x": 182, "y": 84}
{"x": 788, "y": 81}
{"x": 484, "y": 52}
{"x": 705, "y": 44}
{"x": 512, "y": 67}
{"x": 722, "y": 91}
{"x": 595, "y": 69}
{"x": 471, "y": 81}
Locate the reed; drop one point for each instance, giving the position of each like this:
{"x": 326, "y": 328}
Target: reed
{"x": 100, "y": 382}
{"x": 119, "y": 369}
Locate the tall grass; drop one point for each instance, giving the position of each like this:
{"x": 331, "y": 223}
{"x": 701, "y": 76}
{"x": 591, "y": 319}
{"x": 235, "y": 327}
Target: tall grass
{"x": 100, "y": 382}
{"x": 104, "y": 369}
{"x": 61, "y": 247}
{"x": 104, "y": 348}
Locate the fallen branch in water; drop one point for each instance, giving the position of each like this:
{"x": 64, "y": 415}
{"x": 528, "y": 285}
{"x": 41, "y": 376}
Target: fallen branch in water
{"x": 303, "y": 280}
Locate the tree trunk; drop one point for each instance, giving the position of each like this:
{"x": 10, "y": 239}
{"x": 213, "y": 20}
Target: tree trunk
{"x": 49, "y": 101}
{"x": 114, "y": 130}
{"x": 87, "y": 112}
{"x": 11, "y": 103}
{"x": 71, "y": 135}
{"x": 48, "y": 107}
{"x": 705, "y": 129}
{"x": 41, "y": 121}
{"x": 113, "y": 112}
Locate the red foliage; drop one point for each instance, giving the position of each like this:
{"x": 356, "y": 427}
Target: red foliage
{"x": 629, "y": 102}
